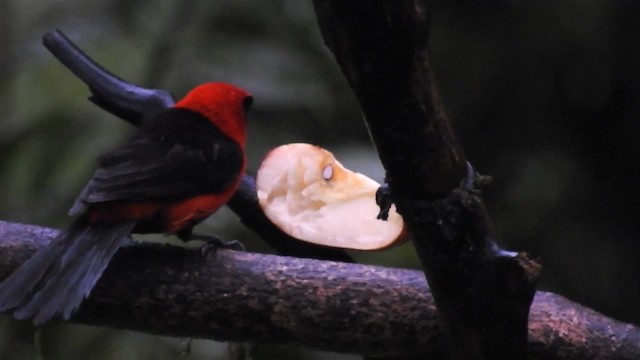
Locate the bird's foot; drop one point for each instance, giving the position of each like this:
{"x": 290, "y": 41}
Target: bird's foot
{"x": 213, "y": 243}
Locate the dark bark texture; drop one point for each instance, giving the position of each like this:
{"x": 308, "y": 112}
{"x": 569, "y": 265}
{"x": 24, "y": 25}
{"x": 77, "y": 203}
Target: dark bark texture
{"x": 370, "y": 310}
{"x": 483, "y": 294}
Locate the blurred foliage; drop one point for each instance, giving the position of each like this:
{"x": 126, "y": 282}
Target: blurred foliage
{"x": 543, "y": 95}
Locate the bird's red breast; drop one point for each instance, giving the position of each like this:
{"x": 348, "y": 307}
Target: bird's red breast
{"x": 211, "y": 164}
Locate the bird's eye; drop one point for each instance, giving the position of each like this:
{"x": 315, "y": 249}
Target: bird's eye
{"x": 246, "y": 103}
{"x": 327, "y": 173}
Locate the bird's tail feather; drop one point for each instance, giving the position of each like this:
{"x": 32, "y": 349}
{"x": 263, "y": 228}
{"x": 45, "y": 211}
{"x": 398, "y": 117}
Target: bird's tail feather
{"x": 59, "y": 276}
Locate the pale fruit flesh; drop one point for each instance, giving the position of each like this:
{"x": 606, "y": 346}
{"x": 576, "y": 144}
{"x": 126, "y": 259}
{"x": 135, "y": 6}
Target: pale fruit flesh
{"x": 308, "y": 194}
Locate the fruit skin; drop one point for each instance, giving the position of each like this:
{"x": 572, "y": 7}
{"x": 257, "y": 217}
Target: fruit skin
{"x": 183, "y": 164}
{"x": 311, "y": 196}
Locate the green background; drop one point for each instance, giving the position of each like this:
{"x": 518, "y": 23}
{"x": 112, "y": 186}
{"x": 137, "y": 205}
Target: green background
{"x": 542, "y": 95}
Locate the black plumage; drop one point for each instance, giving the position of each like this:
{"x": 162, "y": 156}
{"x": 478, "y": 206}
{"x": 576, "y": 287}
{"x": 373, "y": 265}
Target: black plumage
{"x": 59, "y": 276}
{"x": 176, "y": 154}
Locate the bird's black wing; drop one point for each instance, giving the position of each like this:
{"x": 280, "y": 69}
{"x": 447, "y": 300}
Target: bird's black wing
{"x": 175, "y": 155}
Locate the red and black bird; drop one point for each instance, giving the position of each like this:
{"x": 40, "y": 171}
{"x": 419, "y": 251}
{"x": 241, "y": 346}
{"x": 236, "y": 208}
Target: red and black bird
{"x": 183, "y": 164}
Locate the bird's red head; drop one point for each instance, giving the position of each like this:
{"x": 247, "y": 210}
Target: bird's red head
{"x": 225, "y": 105}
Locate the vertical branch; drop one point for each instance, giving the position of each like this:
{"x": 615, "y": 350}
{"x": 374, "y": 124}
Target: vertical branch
{"x": 483, "y": 294}
{"x": 387, "y": 67}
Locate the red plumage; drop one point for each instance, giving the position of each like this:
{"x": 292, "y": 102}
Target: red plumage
{"x": 181, "y": 166}
{"x": 212, "y": 101}
{"x": 224, "y": 106}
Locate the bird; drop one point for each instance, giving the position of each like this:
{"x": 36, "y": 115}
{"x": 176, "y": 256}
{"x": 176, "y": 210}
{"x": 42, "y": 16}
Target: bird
{"x": 181, "y": 165}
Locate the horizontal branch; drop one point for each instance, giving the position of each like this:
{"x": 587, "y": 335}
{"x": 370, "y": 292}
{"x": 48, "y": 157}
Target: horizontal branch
{"x": 342, "y": 307}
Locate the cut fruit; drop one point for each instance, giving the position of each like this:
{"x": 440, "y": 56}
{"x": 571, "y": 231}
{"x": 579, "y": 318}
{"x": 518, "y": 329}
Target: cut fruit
{"x": 308, "y": 194}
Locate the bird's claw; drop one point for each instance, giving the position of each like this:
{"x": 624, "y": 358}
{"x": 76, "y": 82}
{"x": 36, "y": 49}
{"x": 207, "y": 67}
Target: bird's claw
{"x": 213, "y": 243}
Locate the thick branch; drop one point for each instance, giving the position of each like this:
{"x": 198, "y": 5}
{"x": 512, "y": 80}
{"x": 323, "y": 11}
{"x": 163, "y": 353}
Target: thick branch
{"x": 483, "y": 294}
{"x": 370, "y": 310}
{"x": 129, "y": 102}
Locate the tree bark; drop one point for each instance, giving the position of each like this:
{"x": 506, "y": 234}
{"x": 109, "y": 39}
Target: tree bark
{"x": 483, "y": 293}
{"x": 369, "y": 310}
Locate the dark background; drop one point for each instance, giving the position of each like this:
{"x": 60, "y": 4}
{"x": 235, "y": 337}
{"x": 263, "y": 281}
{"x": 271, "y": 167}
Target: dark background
{"x": 543, "y": 95}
